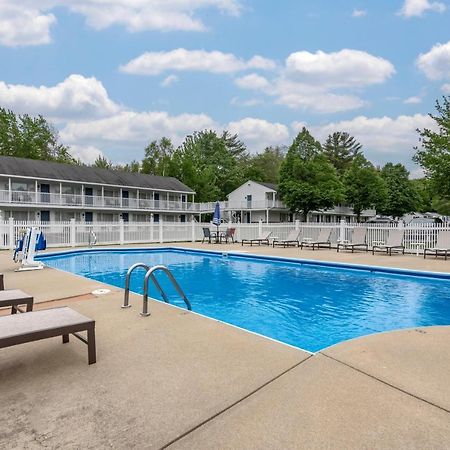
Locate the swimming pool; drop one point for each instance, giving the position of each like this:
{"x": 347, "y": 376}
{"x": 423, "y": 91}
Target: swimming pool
{"x": 305, "y": 304}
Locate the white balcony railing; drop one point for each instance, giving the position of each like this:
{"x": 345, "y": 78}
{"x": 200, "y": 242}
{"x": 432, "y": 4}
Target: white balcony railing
{"x": 43, "y": 199}
{"x": 91, "y": 201}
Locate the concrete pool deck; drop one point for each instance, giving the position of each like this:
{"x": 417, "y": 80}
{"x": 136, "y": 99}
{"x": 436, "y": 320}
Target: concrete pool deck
{"x": 179, "y": 380}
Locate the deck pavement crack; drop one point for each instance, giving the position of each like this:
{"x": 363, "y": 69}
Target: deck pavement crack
{"x": 232, "y": 405}
{"x": 393, "y": 386}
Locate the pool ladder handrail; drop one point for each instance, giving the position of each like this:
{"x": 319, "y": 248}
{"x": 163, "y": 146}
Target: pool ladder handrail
{"x": 150, "y": 275}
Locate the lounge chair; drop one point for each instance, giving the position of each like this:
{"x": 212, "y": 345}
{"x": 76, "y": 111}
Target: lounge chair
{"x": 358, "y": 240}
{"x": 323, "y": 239}
{"x": 292, "y": 239}
{"x": 46, "y": 323}
{"x": 14, "y": 298}
{"x": 262, "y": 239}
{"x": 229, "y": 234}
{"x": 394, "y": 242}
{"x": 442, "y": 246}
{"x": 208, "y": 234}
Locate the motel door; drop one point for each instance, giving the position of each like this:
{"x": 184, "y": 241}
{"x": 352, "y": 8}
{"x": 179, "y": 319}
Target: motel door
{"x": 125, "y": 197}
{"x": 45, "y": 193}
{"x": 45, "y": 216}
{"x": 88, "y": 196}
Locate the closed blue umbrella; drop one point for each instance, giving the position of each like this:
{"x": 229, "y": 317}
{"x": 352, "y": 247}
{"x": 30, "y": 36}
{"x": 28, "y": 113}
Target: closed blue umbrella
{"x": 216, "y": 217}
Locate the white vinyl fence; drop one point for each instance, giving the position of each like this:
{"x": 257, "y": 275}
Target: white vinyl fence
{"x": 75, "y": 234}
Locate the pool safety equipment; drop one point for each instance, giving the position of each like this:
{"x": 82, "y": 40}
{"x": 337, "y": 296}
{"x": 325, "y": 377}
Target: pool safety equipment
{"x": 150, "y": 276}
{"x": 33, "y": 240}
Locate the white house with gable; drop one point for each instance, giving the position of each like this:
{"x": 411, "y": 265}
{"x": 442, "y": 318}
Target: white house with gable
{"x": 254, "y": 201}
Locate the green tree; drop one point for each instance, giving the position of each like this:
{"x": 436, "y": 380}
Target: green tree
{"x": 210, "y": 164}
{"x": 402, "y": 197}
{"x": 340, "y": 148}
{"x": 363, "y": 186}
{"x": 24, "y": 136}
{"x": 425, "y": 194}
{"x": 441, "y": 205}
{"x": 158, "y": 157}
{"x": 133, "y": 166}
{"x": 308, "y": 181}
{"x": 265, "y": 166}
{"x": 102, "y": 162}
{"x": 434, "y": 155}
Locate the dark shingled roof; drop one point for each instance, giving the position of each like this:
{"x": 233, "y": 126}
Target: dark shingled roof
{"x": 268, "y": 185}
{"x": 57, "y": 171}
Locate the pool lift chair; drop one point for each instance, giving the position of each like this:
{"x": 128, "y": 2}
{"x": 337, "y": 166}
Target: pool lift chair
{"x": 149, "y": 275}
{"x": 26, "y": 247}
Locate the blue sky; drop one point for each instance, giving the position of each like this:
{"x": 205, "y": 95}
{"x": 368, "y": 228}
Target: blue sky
{"x": 113, "y": 75}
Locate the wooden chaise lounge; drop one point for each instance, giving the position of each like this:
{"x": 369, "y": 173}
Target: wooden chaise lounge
{"x": 442, "y": 247}
{"x": 394, "y": 242}
{"x": 262, "y": 239}
{"x": 14, "y": 298}
{"x": 358, "y": 240}
{"x": 46, "y": 323}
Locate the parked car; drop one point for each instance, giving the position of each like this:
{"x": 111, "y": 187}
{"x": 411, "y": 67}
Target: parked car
{"x": 381, "y": 219}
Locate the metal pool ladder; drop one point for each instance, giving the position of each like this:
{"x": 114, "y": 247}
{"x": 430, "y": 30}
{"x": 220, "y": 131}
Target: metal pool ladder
{"x": 150, "y": 276}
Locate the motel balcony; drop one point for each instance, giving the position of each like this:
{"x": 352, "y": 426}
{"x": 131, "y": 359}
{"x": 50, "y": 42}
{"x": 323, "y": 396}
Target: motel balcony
{"x": 245, "y": 205}
{"x": 41, "y": 199}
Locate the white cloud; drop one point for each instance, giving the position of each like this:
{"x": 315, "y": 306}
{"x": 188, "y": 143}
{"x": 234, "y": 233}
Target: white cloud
{"x": 384, "y": 138}
{"x": 138, "y": 15}
{"x": 181, "y": 59}
{"x": 28, "y": 22}
{"x": 169, "y": 80}
{"x": 87, "y": 154}
{"x": 345, "y": 68}
{"x": 133, "y": 129}
{"x": 258, "y": 133}
{"x": 20, "y": 26}
{"x": 309, "y": 80}
{"x": 446, "y": 88}
{"x": 76, "y": 96}
{"x": 246, "y": 103}
{"x": 359, "y": 13}
{"x": 313, "y": 98}
{"x": 415, "y": 100}
{"x": 252, "y": 81}
{"x": 259, "y": 62}
{"x": 415, "y": 8}
{"x": 435, "y": 64}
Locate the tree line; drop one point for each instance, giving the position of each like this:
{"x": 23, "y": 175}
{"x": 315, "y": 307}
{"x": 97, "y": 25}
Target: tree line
{"x": 311, "y": 175}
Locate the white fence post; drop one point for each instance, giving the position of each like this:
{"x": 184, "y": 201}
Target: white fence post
{"x": 152, "y": 223}
{"x": 297, "y": 224}
{"x": 73, "y": 236}
{"x": 161, "y": 238}
{"x": 11, "y": 233}
{"x": 193, "y": 229}
{"x": 260, "y": 227}
{"x": 342, "y": 230}
{"x": 121, "y": 231}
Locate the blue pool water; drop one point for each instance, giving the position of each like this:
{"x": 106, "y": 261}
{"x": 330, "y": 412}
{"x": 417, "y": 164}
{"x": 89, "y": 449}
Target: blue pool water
{"x": 306, "y": 305}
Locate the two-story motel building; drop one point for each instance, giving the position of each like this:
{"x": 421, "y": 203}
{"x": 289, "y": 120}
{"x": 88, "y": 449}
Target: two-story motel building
{"x": 49, "y": 191}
